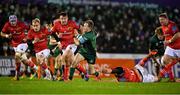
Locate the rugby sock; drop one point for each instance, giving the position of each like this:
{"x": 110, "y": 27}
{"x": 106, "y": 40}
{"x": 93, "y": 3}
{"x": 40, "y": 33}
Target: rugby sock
{"x": 60, "y": 70}
{"x": 66, "y": 70}
{"x": 55, "y": 71}
{"x": 166, "y": 68}
{"x": 32, "y": 65}
{"x": 63, "y": 70}
{"x": 51, "y": 61}
{"x": 18, "y": 65}
{"x": 171, "y": 76}
{"x": 81, "y": 69}
{"x": 47, "y": 71}
{"x": 72, "y": 70}
{"x": 39, "y": 72}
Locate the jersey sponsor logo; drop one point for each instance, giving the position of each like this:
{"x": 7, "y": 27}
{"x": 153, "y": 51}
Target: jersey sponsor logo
{"x": 166, "y": 35}
{"x": 16, "y": 32}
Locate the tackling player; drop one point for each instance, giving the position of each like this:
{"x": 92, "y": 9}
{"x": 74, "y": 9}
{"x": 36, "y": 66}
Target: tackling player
{"x": 157, "y": 44}
{"x": 87, "y": 50}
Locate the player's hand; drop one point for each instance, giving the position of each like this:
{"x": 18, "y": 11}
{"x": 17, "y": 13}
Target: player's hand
{"x": 24, "y": 40}
{"x": 36, "y": 40}
{"x": 154, "y": 52}
{"x": 53, "y": 42}
{"x": 59, "y": 45}
{"x": 60, "y": 35}
{"x": 8, "y": 36}
{"x": 167, "y": 42}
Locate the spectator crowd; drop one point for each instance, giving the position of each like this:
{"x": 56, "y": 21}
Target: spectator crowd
{"x": 120, "y": 29}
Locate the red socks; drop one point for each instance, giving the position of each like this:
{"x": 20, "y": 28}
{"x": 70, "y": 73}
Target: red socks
{"x": 65, "y": 73}
{"x": 167, "y": 69}
{"x": 31, "y": 64}
{"x": 81, "y": 69}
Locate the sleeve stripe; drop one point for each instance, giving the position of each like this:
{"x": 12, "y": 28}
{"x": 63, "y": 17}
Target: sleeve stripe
{"x": 82, "y": 39}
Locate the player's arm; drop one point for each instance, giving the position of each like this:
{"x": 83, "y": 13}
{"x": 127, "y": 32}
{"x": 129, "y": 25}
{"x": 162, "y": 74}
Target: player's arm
{"x": 29, "y": 41}
{"x": 80, "y": 39}
{"x": 4, "y": 30}
{"x": 138, "y": 74}
{"x": 54, "y": 35}
{"x": 5, "y": 35}
{"x": 176, "y": 34}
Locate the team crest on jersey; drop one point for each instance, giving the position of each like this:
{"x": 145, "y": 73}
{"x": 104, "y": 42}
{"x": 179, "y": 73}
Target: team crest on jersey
{"x": 70, "y": 28}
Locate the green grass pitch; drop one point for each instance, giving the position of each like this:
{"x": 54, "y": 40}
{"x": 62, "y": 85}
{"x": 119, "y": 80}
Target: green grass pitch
{"x": 79, "y": 86}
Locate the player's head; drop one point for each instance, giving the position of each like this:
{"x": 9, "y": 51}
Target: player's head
{"x": 163, "y": 19}
{"x": 88, "y": 25}
{"x": 81, "y": 27}
{"x": 13, "y": 20}
{"x": 36, "y": 24}
{"x": 63, "y": 17}
{"x": 159, "y": 33}
{"x": 106, "y": 70}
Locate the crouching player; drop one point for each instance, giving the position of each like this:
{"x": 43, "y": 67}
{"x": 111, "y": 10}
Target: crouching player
{"x": 87, "y": 50}
{"x": 37, "y": 36}
{"x": 137, "y": 74}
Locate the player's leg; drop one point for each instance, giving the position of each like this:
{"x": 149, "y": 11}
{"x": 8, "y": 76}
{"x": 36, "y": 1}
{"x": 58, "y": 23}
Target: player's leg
{"x": 68, "y": 56}
{"x": 77, "y": 59}
{"x": 146, "y": 77}
{"x": 18, "y": 65}
{"x": 42, "y": 59}
{"x": 149, "y": 78}
{"x": 91, "y": 63}
{"x": 19, "y": 50}
{"x": 47, "y": 70}
{"x": 66, "y": 63}
{"x": 25, "y": 56}
{"x": 169, "y": 59}
{"x": 58, "y": 66}
{"x": 156, "y": 64}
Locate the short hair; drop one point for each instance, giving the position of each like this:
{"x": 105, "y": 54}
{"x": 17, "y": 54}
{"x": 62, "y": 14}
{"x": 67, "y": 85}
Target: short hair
{"x": 158, "y": 31}
{"x": 63, "y": 14}
{"x": 81, "y": 23}
{"x": 90, "y": 23}
{"x": 36, "y": 20}
{"x": 163, "y": 15}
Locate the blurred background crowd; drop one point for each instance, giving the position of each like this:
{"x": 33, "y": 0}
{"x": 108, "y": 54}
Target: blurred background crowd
{"x": 120, "y": 29}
